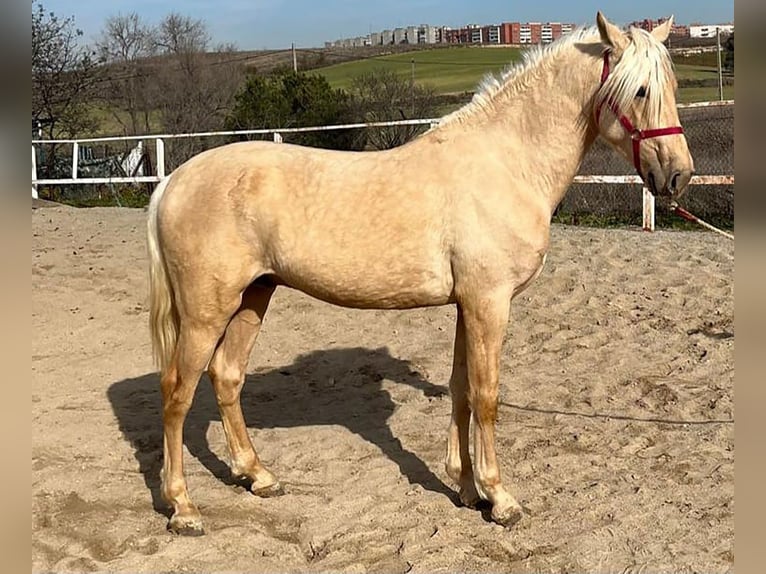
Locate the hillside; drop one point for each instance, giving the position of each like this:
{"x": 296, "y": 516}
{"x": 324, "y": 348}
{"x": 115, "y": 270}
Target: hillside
{"x": 447, "y": 70}
{"x": 459, "y": 69}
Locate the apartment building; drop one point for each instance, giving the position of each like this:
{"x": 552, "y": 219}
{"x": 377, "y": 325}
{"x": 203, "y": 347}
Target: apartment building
{"x": 709, "y": 30}
{"x": 400, "y": 36}
{"x": 647, "y": 24}
{"x": 533, "y": 32}
{"x": 516, "y": 33}
{"x": 428, "y": 34}
{"x": 505, "y": 33}
{"x": 456, "y": 35}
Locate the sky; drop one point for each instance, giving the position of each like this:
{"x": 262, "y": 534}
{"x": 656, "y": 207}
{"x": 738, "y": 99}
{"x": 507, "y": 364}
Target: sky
{"x": 275, "y": 24}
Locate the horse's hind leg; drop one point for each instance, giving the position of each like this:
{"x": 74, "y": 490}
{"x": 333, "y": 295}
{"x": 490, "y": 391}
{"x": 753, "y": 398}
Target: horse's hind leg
{"x": 458, "y": 459}
{"x": 227, "y": 371}
{"x": 196, "y": 342}
{"x": 486, "y": 319}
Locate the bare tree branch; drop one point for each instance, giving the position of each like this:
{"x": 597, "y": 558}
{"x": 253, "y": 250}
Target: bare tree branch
{"x": 382, "y": 95}
{"x": 125, "y": 45}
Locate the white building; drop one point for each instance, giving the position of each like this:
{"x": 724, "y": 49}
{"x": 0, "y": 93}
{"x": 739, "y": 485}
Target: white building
{"x": 427, "y": 34}
{"x": 412, "y": 34}
{"x": 709, "y": 30}
{"x": 525, "y": 34}
{"x": 493, "y": 35}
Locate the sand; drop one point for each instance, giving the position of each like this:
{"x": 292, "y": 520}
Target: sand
{"x": 615, "y": 427}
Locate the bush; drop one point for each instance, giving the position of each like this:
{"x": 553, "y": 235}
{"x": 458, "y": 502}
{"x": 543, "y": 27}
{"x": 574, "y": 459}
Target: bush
{"x": 289, "y": 99}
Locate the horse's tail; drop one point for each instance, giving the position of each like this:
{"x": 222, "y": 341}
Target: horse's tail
{"x": 163, "y": 314}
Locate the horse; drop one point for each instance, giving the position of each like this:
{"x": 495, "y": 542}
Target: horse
{"x": 459, "y": 215}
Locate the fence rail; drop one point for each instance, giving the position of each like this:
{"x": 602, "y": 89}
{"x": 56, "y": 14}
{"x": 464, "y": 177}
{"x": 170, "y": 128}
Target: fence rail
{"x": 277, "y": 136}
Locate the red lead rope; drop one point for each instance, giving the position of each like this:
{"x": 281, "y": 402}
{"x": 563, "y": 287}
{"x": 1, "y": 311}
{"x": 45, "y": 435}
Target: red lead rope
{"x": 681, "y": 212}
{"x": 636, "y": 134}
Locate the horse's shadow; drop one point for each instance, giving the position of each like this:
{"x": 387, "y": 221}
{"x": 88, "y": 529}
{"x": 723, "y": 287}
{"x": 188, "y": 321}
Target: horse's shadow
{"x": 307, "y": 392}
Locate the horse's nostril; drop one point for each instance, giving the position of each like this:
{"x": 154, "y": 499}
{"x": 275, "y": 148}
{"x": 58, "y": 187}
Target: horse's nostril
{"x": 674, "y": 180}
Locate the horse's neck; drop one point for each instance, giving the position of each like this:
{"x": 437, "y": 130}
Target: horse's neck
{"x": 543, "y": 128}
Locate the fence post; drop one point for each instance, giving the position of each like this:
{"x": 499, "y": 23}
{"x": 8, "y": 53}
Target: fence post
{"x": 75, "y": 158}
{"x": 34, "y": 173}
{"x": 277, "y": 137}
{"x": 648, "y": 209}
{"x": 160, "y": 145}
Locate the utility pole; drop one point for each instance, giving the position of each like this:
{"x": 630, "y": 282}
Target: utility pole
{"x": 295, "y": 59}
{"x": 720, "y": 71}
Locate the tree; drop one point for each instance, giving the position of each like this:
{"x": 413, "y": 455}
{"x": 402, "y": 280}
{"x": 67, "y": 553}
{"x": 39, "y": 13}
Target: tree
{"x": 193, "y": 89}
{"x": 62, "y": 82}
{"x": 62, "y": 75}
{"x": 185, "y": 39}
{"x": 289, "y": 99}
{"x": 728, "y": 51}
{"x": 125, "y": 45}
{"x": 382, "y": 95}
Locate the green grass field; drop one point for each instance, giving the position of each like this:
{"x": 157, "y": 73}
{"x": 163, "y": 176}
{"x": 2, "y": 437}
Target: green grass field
{"x": 695, "y": 72}
{"x": 447, "y": 70}
{"x": 461, "y": 69}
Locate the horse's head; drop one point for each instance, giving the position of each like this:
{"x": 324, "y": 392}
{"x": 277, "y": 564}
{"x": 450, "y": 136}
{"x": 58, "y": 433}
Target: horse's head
{"x": 635, "y": 107}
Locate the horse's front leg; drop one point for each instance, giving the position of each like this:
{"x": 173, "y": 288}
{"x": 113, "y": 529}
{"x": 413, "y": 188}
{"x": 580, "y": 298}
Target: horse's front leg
{"x": 486, "y": 318}
{"x": 458, "y": 459}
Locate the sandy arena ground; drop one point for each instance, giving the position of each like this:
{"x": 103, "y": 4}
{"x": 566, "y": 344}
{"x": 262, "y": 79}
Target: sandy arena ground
{"x": 615, "y": 429}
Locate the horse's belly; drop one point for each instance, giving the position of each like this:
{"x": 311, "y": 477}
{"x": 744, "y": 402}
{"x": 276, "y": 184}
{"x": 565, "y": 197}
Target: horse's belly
{"x": 384, "y": 255}
{"x": 367, "y": 287}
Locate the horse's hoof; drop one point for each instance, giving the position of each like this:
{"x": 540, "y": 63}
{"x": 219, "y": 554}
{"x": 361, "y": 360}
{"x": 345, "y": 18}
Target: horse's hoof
{"x": 186, "y": 526}
{"x": 508, "y": 516}
{"x": 269, "y": 491}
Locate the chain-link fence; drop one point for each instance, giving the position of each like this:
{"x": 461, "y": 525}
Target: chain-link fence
{"x": 709, "y": 131}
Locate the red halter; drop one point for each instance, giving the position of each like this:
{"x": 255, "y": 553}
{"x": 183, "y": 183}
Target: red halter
{"x": 635, "y": 134}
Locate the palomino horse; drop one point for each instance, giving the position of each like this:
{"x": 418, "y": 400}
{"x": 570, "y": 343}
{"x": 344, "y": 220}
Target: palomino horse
{"x": 459, "y": 215}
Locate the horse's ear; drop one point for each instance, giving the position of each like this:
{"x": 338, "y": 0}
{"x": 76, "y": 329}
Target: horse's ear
{"x": 611, "y": 35}
{"x": 662, "y": 31}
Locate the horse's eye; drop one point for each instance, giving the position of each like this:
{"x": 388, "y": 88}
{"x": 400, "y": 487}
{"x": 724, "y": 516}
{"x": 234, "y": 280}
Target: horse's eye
{"x": 641, "y": 92}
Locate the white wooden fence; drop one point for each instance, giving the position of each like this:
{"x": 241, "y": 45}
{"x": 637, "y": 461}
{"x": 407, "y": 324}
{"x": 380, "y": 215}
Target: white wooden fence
{"x": 648, "y": 198}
